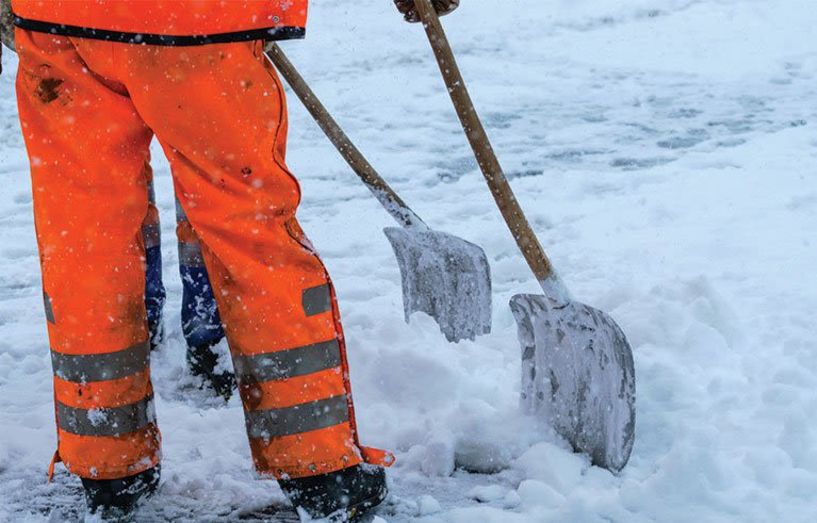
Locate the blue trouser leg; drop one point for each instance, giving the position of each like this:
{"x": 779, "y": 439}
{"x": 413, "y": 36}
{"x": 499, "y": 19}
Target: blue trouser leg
{"x": 154, "y": 288}
{"x": 201, "y": 323}
{"x": 154, "y": 293}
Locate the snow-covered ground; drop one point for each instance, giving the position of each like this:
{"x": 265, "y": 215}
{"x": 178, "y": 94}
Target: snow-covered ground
{"x": 666, "y": 151}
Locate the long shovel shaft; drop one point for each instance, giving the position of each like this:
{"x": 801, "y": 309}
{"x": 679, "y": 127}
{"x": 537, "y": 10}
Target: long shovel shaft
{"x": 376, "y": 184}
{"x": 486, "y": 158}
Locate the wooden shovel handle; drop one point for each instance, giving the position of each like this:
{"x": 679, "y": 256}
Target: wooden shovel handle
{"x": 486, "y": 158}
{"x": 376, "y": 184}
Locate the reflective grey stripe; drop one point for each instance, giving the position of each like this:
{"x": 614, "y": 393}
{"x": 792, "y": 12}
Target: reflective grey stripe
{"x": 49, "y": 310}
{"x": 190, "y": 255}
{"x": 181, "y": 216}
{"x": 306, "y": 417}
{"x": 317, "y": 300}
{"x": 106, "y": 422}
{"x": 289, "y": 363}
{"x": 152, "y": 235}
{"x": 101, "y": 367}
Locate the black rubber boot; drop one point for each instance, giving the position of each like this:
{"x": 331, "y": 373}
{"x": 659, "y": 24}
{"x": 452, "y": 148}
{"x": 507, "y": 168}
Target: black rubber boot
{"x": 347, "y": 495}
{"x": 116, "y": 499}
{"x": 203, "y": 360}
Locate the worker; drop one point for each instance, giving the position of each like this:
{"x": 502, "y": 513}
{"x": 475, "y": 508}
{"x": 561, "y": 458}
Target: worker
{"x": 97, "y": 79}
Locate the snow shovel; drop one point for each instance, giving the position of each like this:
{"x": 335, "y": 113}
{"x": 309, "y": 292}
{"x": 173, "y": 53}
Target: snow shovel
{"x": 577, "y": 365}
{"x": 443, "y": 275}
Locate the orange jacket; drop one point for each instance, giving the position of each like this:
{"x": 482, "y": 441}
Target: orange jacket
{"x": 165, "y": 22}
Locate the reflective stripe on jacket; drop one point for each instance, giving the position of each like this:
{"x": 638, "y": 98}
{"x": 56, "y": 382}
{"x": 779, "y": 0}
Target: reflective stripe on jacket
{"x": 165, "y": 22}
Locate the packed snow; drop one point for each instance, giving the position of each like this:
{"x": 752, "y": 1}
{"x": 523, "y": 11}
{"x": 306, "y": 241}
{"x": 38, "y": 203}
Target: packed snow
{"x": 665, "y": 151}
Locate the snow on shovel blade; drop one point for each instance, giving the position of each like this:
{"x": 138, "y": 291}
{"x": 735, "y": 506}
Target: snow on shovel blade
{"x": 578, "y": 374}
{"x": 446, "y": 277}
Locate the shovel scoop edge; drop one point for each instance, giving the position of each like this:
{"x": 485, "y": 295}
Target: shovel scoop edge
{"x": 578, "y": 376}
{"x": 446, "y": 277}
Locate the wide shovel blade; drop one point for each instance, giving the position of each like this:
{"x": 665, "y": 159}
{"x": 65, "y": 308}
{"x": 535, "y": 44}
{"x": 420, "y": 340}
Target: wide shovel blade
{"x": 446, "y": 277}
{"x": 578, "y": 374}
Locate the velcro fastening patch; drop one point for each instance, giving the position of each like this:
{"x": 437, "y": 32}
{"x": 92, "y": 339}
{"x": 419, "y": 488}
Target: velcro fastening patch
{"x": 317, "y": 300}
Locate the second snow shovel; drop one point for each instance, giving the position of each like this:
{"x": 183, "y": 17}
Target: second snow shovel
{"x": 444, "y": 276}
{"x": 577, "y": 365}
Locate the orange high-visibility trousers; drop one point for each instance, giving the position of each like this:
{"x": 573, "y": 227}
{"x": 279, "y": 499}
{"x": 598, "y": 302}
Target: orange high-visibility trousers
{"x": 89, "y": 110}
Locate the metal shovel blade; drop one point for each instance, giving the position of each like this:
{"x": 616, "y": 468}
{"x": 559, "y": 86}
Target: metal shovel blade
{"x": 446, "y": 277}
{"x": 578, "y": 374}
